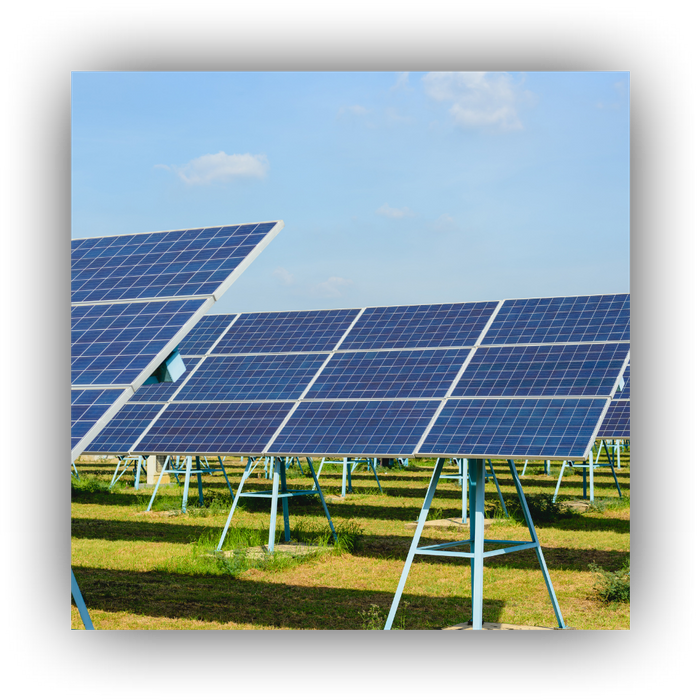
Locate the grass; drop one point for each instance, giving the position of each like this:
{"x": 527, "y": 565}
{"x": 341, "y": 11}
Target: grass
{"x": 156, "y": 570}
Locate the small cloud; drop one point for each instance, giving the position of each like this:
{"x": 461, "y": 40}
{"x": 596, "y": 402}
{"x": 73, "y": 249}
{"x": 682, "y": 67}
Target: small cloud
{"x": 444, "y": 222}
{"x": 284, "y": 276}
{"x": 392, "y": 213}
{"x": 332, "y": 287}
{"x": 478, "y": 99}
{"x": 220, "y": 166}
{"x": 356, "y": 110}
{"x": 401, "y": 82}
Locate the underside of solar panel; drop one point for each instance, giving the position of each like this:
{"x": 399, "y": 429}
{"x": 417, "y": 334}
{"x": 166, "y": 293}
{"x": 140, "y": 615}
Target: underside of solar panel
{"x": 515, "y": 378}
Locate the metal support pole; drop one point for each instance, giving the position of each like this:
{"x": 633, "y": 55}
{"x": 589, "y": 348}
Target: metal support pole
{"x": 477, "y": 477}
{"x": 199, "y": 481}
{"x": 372, "y": 464}
{"x": 583, "y": 472}
{"x": 249, "y": 468}
{"x": 498, "y": 488}
{"x": 285, "y": 500}
{"x": 273, "y": 504}
{"x": 465, "y": 490}
{"x": 538, "y": 549}
{"x": 138, "y": 474}
{"x": 79, "y": 602}
{"x": 323, "y": 500}
{"x": 612, "y": 468}
{"x": 561, "y": 473}
{"x": 414, "y": 543}
{"x": 155, "y": 490}
{"x": 188, "y": 473}
{"x": 590, "y": 471}
{"x": 221, "y": 464}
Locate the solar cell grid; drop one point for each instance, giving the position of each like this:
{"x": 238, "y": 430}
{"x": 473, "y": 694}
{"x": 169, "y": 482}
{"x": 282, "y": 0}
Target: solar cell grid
{"x": 403, "y": 374}
{"x": 355, "y": 428}
{"x": 565, "y": 370}
{"x": 87, "y": 407}
{"x": 430, "y": 325}
{"x": 214, "y": 428}
{"x": 114, "y": 343}
{"x": 561, "y": 319}
{"x": 124, "y": 429}
{"x": 291, "y": 331}
{"x": 170, "y": 263}
{"x": 514, "y": 427}
{"x": 207, "y": 330}
{"x": 616, "y": 424}
{"x": 251, "y": 378}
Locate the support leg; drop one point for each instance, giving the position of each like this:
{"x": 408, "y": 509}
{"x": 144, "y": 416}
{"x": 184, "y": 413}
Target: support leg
{"x": 188, "y": 473}
{"x": 273, "y": 504}
{"x": 228, "y": 483}
{"x": 498, "y": 488}
{"x": 477, "y": 476}
{"x": 538, "y": 549}
{"x": 612, "y": 469}
{"x": 79, "y": 602}
{"x": 590, "y": 471}
{"x": 323, "y": 500}
{"x": 561, "y": 473}
{"x": 249, "y": 468}
{"x": 138, "y": 474}
{"x": 115, "y": 478}
{"x": 285, "y": 500}
{"x": 371, "y": 464}
{"x": 465, "y": 490}
{"x": 155, "y": 490}
{"x": 414, "y": 543}
{"x": 199, "y": 482}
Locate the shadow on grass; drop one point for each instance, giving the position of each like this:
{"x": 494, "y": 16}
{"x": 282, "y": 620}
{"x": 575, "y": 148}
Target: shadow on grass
{"x": 222, "y": 599}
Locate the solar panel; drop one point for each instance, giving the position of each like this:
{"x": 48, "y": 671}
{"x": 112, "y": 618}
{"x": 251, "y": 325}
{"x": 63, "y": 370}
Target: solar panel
{"x": 616, "y": 424}
{"x": 125, "y": 428}
{"x": 313, "y": 391}
{"x": 87, "y": 408}
{"x": 134, "y": 297}
{"x": 208, "y": 329}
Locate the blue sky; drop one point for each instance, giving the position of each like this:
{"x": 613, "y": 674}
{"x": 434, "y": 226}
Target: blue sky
{"x": 395, "y": 188}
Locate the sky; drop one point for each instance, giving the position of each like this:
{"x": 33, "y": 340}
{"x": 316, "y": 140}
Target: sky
{"x": 395, "y": 188}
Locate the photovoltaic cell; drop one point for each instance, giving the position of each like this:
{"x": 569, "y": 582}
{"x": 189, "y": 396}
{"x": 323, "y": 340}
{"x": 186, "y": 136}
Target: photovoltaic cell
{"x": 355, "y": 428}
{"x": 214, "y": 428}
{"x": 202, "y": 336}
{"x": 561, "y": 319}
{"x": 430, "y": 325}
{"x": 514, "y": 427}
{"x": 114, "y": 343}
{"x": 402, "y": 374}
{"x": 123, "y": 430}
{"x": 87, "y": 407}
{"x": 564, "y": 370}
{"x": 616, "y": 424}
{"x": 292, "y": 331}
{"x": 168, "y": 263}
{"x": 251, "y": 378}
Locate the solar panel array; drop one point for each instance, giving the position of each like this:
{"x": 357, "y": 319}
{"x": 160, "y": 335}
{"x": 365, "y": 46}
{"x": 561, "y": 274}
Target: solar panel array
{"x": 133, "y": 298}
{"x": 517, "y": 378}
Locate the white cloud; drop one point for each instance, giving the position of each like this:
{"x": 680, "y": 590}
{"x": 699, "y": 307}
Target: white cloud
{"x": 220, "y": 166}
{"x": 357, "y": 110}
{"x": 478, "y": 99}
{"x": 332, "y": 287}
{"x": 443, "y": 222}
{"x": 401, "y": 82}
{"x": 284, "y": 276}
{"x": 392, "y": 213}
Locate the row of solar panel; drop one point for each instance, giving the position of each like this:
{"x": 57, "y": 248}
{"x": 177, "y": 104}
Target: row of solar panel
{"x": 473, "y": 427}
{"x": 107, "y": 340}
{"x": 525, "y": 371}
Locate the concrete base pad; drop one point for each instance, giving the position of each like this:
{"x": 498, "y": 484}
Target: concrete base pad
{"x": 292, "y": 549}
{"x": 449, "y": 524}
{"x": 499, "y": 626}
{"x": 577, "y": 506}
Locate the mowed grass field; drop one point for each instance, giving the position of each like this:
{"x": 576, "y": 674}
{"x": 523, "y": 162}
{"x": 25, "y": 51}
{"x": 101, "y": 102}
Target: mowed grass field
{"x": 154, "y": 570}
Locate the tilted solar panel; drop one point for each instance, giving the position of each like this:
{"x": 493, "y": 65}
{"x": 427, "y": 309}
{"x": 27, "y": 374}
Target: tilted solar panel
{"x": 616, "y": 424}
{"x": 125, "y": 428}
{"x": 87, "y": 408}
{"x": 449, "y": 393}
{"x": 208, "y": 329}
{"x": 134, "y": 297}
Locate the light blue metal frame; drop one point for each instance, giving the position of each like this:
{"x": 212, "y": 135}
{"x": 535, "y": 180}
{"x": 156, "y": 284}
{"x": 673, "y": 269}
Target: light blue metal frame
{"x": 275, "y": 495}
{"x": 589, "y": 467}
{"x": 135, "y": 462}
{"x": 198, "y": 469}
{"x": 476, "y": 478}
{"x": 351, "y": 462}
{"x": 74, "y": 470}
{"x": 547, "y": 467}
{"x": 79, "y": 602}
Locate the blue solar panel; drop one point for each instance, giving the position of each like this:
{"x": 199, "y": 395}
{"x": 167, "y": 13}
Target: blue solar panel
{"x": 161, "y": 391}
{"x": 616, "y": 424}
{"x": 214, "y": 428}
{"x": 164, "y": 264}
{"x": 625, "y": 393}
{"x": 556, "y": 428}
{"x": 114, "y": 343}
{"x": 124, "y": 429}
{"x": 355, "y": 428}
{"x": 87, "y": 407}
{"x": 207, "y": 330}
{"x": 562, "y": 319}
{"x": 251, "y": 378}
{"x": 563, "y": 370}
{"x": 291, "y": 331}
{"x": 376, "y": 375}
{"x": 430, "y": 325}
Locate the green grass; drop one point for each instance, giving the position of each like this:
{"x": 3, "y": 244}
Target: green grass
{"x": 155, "y": 570}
